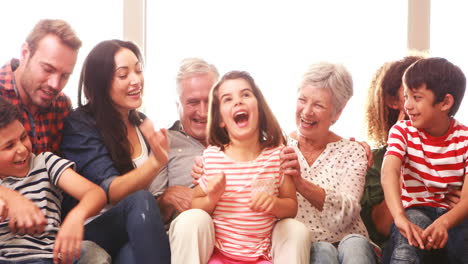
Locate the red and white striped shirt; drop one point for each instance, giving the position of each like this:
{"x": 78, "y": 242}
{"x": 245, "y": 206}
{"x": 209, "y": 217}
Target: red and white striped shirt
{"x": 431, "y": 165}
{"x": 241, "y": 233}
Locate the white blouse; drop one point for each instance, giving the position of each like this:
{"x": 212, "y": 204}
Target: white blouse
{"x": 340, "y": 171}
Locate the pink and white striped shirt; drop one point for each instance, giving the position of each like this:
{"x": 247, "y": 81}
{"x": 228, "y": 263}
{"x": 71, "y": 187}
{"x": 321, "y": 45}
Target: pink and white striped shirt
{"x": 431, "y": 165}
{"x": 241, "y": 233}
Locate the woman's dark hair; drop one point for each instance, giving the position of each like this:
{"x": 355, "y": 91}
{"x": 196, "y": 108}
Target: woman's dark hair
{"x": 392, "y": 82}
{"x": 95, "y": 83}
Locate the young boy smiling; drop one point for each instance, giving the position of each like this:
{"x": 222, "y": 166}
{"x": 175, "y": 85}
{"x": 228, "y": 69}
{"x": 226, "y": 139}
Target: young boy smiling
{"x": 426, "y": 157}
{"x": 36, "y": 234}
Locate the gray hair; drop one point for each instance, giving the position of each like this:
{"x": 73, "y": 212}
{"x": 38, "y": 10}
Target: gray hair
{"x": 194, "y": 66}
{"x": 334, "y": 78}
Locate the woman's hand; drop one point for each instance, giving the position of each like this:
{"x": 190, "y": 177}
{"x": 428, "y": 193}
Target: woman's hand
{"x": 367, "y": 148}
{"x": 67, "y": 245}
{"x": 289, "y": 163}
{"x": 452, "y": 197}
{"x": 158, "y": 141}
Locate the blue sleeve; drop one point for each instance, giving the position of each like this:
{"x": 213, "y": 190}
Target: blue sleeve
{"x": 83, "y": 144}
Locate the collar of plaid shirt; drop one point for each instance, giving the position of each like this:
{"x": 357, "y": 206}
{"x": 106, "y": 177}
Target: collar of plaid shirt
{"x": 44, "y": 128}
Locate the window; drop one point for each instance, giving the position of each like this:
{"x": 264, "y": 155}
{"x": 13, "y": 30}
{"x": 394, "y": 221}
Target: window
{"x": 275, "y": 41}
{"x": 448, "y": 40}
{"x": 93, "y": 21}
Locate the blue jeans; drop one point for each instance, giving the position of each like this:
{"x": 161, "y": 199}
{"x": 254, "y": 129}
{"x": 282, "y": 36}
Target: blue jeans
{"x": 352, "y": 248}
{"x": 132, "y": 231}
{"x": 455, "y": 251}
{"x": 36, "y": 261}
{"x": 92, "y": 253}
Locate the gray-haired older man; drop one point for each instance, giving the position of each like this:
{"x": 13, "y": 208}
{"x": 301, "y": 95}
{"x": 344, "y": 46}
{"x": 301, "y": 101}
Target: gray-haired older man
{"x": 187, "y": 137}
{"x": 191, "y": 232}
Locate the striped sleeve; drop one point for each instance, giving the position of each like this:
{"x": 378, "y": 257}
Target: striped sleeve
{"x": 432, "y": 165}
{"x": 241, "y": 233}
{"x": 203, "y": 180}
{"x": 56, "y": 165}
{"x": 397, "y": 141}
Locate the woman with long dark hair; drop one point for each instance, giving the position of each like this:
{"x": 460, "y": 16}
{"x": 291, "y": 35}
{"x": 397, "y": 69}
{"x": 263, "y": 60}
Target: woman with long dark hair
{"x": 115, "y": 147}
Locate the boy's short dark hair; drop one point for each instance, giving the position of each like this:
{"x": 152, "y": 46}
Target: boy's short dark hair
{"x": 8, "y": 113}
{"x": 440, "y": 76}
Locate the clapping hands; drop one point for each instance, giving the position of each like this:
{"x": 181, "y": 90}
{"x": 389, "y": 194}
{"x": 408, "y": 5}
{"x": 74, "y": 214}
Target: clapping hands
{"x": 216, "y": 187}
{"x": 158, "y": 141}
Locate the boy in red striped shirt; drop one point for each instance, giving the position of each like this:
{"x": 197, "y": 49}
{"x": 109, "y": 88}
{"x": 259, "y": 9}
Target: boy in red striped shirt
{"x": 426, "y": 157}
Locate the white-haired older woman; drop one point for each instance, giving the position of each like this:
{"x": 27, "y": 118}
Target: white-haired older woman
{"x": 329, "y": 171}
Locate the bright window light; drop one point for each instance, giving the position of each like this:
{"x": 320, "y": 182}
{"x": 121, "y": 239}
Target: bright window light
{"x": 92, "y": 20}
{"x": 275, "y": 41}
{"x": 448, "y": 40}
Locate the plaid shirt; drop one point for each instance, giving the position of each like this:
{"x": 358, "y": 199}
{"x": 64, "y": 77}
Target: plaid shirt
{"x": 45, "y": 127}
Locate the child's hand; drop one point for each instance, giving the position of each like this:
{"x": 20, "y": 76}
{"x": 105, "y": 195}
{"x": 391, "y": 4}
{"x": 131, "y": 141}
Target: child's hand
{"x": 411, "y": 231}
{"x": 216, "y": 187}
{"x": 3, "y": 210}
{"x": 197, "y": 169}
{"x": 67, "y": 245}
{"x": 25, "y": 216}
{"x": 263, "y": 202}
{"x": 435, "y": 235}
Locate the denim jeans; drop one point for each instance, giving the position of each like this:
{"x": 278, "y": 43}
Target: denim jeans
{"x": 92, "y": 253}
{"x": 352, "y": 248}
{"x": 455, "y": 251}
{"x": 132, "y": 231}
{"x": 36, "y": 261}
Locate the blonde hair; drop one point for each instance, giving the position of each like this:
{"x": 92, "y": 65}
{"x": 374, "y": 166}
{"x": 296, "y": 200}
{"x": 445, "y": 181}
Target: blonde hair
{"x": 56, "y": 27}
{"x": 376, "y": 115}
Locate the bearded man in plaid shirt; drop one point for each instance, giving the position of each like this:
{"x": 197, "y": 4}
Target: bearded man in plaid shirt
{"x": 34, "y": 82}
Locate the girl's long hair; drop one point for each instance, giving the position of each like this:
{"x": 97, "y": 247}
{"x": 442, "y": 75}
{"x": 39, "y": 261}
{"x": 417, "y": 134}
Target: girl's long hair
{"x": 270, "y": 133}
